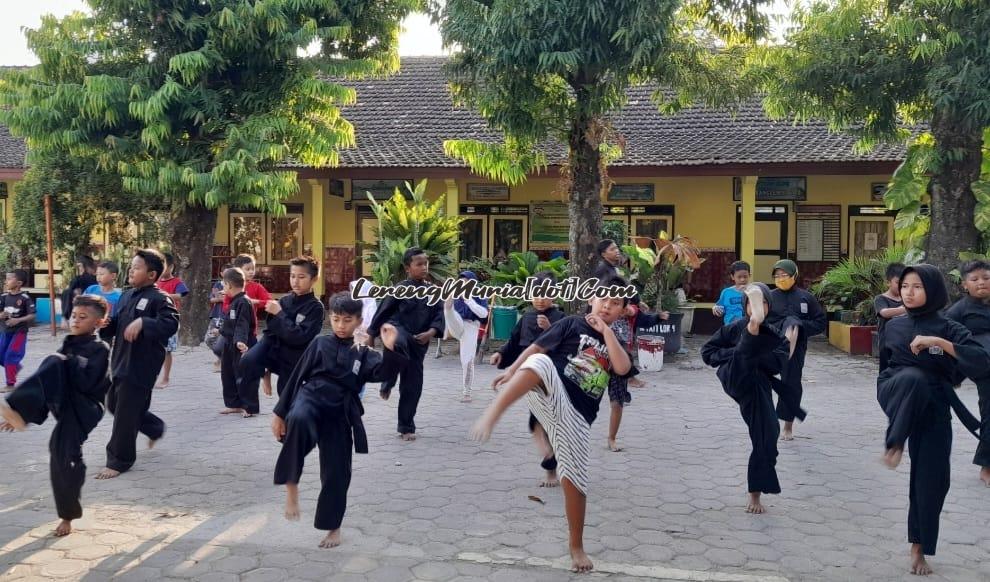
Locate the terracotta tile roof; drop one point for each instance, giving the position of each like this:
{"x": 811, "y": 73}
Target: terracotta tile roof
{"x": 401, "y": 122}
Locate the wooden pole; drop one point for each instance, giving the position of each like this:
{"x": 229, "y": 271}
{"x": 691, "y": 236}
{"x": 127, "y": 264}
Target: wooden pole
{"x": 51, "y": 262}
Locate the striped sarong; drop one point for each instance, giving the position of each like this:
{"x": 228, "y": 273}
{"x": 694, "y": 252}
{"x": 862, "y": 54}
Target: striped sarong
{"x": 568, "y": 431}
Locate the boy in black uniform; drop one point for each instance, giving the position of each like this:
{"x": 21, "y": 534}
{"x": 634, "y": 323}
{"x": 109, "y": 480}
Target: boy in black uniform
{"x": 293, "y": 322}
{"x": 565, "y": 373}
{"x": 748, "y": 354}
{"x": 240, "y": 395}
{"x": 321, "y": 406}
{"x": 70, "y": 384}
{"x": 144, "y": 320}
{"x": 973, "y": 311}
{"x": 416, "y": 323}
{"x": 530, "y": 326}
{"x": 17, "y": 313}
{"x": 798, "y": 315}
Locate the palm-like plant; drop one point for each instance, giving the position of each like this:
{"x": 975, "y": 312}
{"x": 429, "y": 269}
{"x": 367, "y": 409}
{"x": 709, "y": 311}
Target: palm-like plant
{"x": 519, "y": 266}
{"x": 853, "y": 283}
{"x": 673, "y": 259}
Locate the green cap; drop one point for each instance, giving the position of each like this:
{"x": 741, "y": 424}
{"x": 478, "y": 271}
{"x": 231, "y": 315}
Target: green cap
{"x": 786, "y": 265}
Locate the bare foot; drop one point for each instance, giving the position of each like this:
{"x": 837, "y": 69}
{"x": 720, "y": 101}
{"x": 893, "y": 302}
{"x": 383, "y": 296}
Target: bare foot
{"x": 757, "y": 312}
{"x": 580, "y": 561}
{"x": 107, "y": 473}
{"x": 266, "y": 385}
{"x": 247, "y": 414}
{"x": 408, "y": 436}
{"x": 6, "y": 427}
{"x": 64, "y": 528}
{"x": 550, "y": 480}
{"x": 162, "y": 384}
{"x": 292, "y": 502}
{"x": 754, "y": 505}
{"x": 465, "y": 398}
{"x": 788, "y": 433}
{"x": 636, "y": 383}
{"x": 385, "y": 393}
{"x": 10, "y": 415}
{"x": 985, "y": 475}
{"x": 332, "y": 540}
{"x": 919, "y": 566}
{"x": 613, "y": 446}
{"x": 892, "y": 458}
{"x": 216, "y": 367}
{"x": 232, "y": 411}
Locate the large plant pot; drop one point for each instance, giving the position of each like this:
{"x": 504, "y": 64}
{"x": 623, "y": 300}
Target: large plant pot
{"x": 670, "y": 331}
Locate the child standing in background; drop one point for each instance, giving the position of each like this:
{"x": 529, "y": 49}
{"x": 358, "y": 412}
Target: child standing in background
{"x": 464, "y": 318}
{"x": 730, "y": 302}
{"x": 176, "y": 290}
{"x": 16, "y": 316}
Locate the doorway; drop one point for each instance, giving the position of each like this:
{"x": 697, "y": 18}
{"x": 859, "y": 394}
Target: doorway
{"x": 771, "y": 239}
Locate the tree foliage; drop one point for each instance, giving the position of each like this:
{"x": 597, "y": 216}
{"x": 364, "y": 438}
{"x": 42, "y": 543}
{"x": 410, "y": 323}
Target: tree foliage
{"x": 876, "y": 68}
{"x": 197, "y": 104}
{"x": 543, "y": 71}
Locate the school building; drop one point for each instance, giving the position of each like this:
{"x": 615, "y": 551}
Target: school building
{"x": 740, "y": 185}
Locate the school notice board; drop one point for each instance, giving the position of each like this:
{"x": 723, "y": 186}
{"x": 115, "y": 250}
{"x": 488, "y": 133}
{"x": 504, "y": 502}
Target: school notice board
{"x": 549, "y": 225}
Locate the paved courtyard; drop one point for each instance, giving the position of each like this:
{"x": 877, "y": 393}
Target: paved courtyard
{"x": 202, "y": 506}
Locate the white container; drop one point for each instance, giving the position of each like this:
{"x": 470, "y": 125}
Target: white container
{"x": 650, "y": 348}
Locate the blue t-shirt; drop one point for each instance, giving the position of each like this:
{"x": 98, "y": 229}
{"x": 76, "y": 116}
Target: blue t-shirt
{"x": 217, "y": 309}
{"x": 731, "y": 301}
{"x": 113, "y": 297}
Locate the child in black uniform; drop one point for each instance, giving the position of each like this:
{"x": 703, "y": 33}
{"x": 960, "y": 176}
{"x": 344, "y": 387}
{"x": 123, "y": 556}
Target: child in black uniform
{"x": 70, "y": 384}
{"x": 565, "y": 374}
{"x": 416, "y": 323}
{"x": 923, "y": 357}
{"x": 321, "y": 406}
{"x": 144, "y": 320}
{"x": 293, "y": 322}
{"x": 748, "y": 354}
{"x": 240, "y": 395}
{"x": 530, "y": 326}
{"x": 798, "y": 316}
{"x": 973, "y": 311}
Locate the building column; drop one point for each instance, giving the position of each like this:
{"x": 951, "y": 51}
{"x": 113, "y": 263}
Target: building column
{"x": 317, "y": 194}
{"x": 453, "y": 208}
{"x": 747, "y": 221}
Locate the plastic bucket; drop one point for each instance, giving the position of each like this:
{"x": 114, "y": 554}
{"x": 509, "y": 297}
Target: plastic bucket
{"x": 503, "y": 320}
{"x": 650, "y": 348}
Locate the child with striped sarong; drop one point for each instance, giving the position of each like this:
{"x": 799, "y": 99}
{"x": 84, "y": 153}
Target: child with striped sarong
{"x": 564, "y": 374}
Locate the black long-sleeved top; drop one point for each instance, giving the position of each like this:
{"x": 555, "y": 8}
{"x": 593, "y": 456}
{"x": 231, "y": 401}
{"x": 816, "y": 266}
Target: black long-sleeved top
{"x": 525, "y": 333}
{"x": 89, "y": 357}
{"x": 974, "y": 315}
{"x": 414, "y": 315}
{"x": 78, "y": 285}
{"x": 300, "y": 320}
{"x": 972, "y": 359}
{"x": 335, "y": 369}
{"x": 721, "y": 347}
{"x": 796, "y": 307}
{"x": 239, "y": 323}
{"x": 141, "y": 360}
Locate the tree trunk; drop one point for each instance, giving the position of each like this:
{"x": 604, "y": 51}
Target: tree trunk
{"x": 584, "y": 198}
{"x": 953, "y": 227}
{"x": 192, "y": 231}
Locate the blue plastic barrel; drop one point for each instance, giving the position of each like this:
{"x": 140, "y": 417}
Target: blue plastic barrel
{"x": 43, "y": 307}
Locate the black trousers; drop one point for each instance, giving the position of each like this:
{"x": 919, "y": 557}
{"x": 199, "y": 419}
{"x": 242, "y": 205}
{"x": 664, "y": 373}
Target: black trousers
{"x": 929, "y": 446}
{"x": 238, "y": 391}
{"x": 47, "y": 390}
{"x": 312, "y": 423}
{"x": 750, "y": 388}
{"x": 791, "y": 371}
{"x": 982, "y": 457}
{"x": 264, "y": 356}
{"x": 129, "y": 402}
{"x": 407, "y": 362}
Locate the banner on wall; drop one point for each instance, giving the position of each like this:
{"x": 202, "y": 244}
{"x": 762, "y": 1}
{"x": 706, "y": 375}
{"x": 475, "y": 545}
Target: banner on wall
{"x": 549, "y": 225}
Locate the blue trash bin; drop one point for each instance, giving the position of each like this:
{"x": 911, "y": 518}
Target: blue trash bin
{"x": 43, "y": 307}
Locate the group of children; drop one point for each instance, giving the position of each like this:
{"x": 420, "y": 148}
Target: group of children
{"x": 563, "y": 365}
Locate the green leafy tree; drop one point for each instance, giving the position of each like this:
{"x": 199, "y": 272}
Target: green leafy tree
{"x": 874, "y": 67}
{"x": 414, "y": 223}
{"x": 557, "y": 70}
{"x": 196, "y": 104}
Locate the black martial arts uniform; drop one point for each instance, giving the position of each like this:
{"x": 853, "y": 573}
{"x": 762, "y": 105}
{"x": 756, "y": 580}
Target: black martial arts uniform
{"x": 284, "y": 339}
{"x": 410, "y": 317}
{"x": 974, "y": 314}
{"x": 525, "y": 332}
{"x": 239, "y": 326}
{"x": 76, "y": 287}
{"x": 322, "y": 407}
{"x": 72, "y": 387}
{"x": 134, "y": 367}
{"x": 916, "y": 392}
{"x": 746, "y": 366}
{"x": 795, "y": 307}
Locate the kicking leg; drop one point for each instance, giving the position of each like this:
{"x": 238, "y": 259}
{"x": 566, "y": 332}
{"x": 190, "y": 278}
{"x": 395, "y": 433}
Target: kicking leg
{"x": 575, "y": 505}
{"x": 518, "y": 385}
